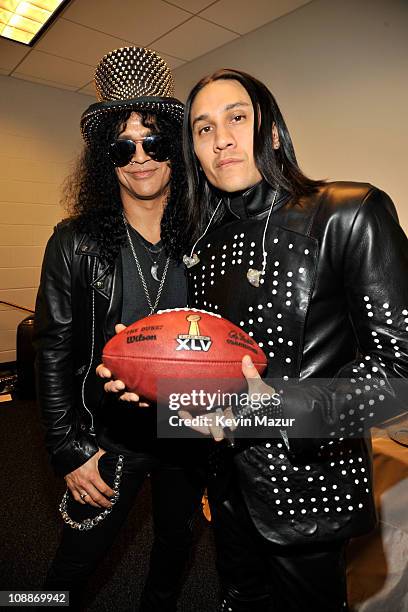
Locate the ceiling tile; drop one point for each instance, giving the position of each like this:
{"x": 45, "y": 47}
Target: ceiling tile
{"x": 78, "y": 43}
{"x": 32, "y": 79}
{"x": 243, "y": 16}
{"x": 11, "y": 53}
{"x": 57, "y": 69}
{"x": 139, "y": 23}
{"x": 193, "y": 39}
{"x": 193, "y": 6}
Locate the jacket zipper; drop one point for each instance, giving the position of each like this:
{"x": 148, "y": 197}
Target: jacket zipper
{"x": 91, "y": 430}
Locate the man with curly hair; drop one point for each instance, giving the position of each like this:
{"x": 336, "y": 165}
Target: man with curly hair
{"x": 115, "y": 260}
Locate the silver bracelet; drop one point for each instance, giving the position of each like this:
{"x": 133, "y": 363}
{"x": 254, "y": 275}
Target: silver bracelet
{"x": 90, "y": 523}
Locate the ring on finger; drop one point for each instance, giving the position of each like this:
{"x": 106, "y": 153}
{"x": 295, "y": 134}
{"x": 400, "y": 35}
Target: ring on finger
{"x": 83, "y": 495}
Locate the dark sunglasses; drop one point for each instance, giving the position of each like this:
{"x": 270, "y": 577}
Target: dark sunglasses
{"x": 156, "y": 146}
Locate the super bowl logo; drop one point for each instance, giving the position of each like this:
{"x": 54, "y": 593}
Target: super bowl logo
{"x": 193, "y": 341}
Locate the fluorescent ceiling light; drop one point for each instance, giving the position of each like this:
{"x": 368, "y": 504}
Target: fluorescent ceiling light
{"x": 23, "y": 21}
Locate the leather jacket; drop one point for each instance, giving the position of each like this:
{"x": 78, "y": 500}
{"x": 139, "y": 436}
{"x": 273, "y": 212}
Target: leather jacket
{"x": 333, "y": 305}
{"x": 78, "y": 305}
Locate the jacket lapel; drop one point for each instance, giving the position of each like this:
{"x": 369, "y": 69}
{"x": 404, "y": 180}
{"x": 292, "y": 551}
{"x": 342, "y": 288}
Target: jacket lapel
{"x": 106, "y": 283}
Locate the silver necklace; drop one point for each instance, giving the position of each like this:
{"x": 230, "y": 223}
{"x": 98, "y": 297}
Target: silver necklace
{"x": 141, "y": 275}
{"x": 155, "y": 260}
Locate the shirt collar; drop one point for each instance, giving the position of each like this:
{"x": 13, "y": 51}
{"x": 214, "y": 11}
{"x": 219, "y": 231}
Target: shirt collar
{"x": 255, "y": 200}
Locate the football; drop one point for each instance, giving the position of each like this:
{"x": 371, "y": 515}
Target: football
{"x": 177, "y": 346}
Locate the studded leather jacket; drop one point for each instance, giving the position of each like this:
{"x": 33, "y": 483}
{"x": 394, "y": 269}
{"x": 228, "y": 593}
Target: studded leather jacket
{"x": 77, "y": 292}
{"x": 333, "y": 305}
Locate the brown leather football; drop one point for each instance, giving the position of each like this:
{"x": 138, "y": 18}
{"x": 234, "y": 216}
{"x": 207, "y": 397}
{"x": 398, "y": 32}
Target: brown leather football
{"x": 180, "y": 345}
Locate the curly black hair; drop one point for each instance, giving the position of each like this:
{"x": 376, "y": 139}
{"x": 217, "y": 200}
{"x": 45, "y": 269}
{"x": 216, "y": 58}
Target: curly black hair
{"x": 92, "y": 198}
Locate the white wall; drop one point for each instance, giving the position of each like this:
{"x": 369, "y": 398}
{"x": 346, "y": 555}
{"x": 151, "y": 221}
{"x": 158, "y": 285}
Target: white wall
{"x": 339, "y": 70}
{"x": 39, "y": 138}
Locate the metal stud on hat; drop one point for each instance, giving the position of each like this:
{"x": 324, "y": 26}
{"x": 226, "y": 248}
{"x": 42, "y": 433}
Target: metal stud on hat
{"x": 132, "y": 72}
{"x": 131, "y": 78}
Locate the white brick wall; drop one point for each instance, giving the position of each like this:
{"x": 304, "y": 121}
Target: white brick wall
{"x": 39, "y": 139}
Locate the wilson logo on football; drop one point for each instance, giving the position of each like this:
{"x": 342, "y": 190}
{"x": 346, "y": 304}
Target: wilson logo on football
{"x": 193, "y": 341}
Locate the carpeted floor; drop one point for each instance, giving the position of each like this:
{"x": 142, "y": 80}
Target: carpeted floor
{"x": 30, "y": 525}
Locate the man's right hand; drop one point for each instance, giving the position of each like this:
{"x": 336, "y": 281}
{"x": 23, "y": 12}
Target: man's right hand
{"x": 118, "y": 386}
{"x": 86, "y": 481}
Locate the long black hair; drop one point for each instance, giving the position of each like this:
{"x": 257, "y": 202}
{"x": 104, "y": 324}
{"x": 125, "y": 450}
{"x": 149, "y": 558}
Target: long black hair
{"x": 92, "y": 196}
{"x": 278, "y": 167}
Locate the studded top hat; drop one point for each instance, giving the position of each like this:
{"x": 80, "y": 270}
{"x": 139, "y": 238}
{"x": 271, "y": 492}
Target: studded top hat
{"x": 131, "y": 78}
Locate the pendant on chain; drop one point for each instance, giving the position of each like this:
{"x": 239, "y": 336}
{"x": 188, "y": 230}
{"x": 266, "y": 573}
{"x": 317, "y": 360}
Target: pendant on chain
{"x": 191, "y": 261}
{"x": 153, "y": 271}
{"x": 253, "y": 277}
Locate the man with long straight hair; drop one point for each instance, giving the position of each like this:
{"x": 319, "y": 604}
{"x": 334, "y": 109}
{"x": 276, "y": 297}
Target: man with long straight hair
{"x": 317, "y": 274}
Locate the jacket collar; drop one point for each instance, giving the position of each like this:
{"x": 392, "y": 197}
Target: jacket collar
{"x": 255, "y": 200}
{"x": 87, "y": 246}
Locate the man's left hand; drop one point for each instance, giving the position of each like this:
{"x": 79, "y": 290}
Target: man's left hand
{"x": 255, "y": 383}
{"x": 255, "y": 386}
{"x": 212, "y": 428}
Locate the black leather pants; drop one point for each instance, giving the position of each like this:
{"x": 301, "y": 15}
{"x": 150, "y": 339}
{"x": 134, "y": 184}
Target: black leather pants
{"x": 176, "y": 495}
{"x": 259, "y": 576}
